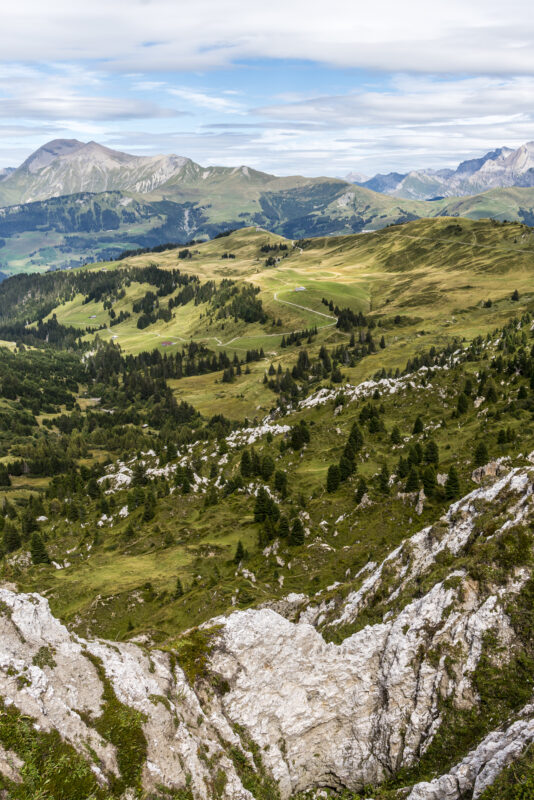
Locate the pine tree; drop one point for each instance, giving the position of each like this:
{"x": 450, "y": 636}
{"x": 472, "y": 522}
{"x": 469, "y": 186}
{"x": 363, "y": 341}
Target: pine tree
{"x": 462, "y": 404}
{"x": 452, "y": 484}
{"x": 5, "y": 480}
{"x": 431, "y": 455}
{"x": 374, "y": 425}
{"x": 346, "y": 467}
{"x": 261, "y": 505}
{"x": 395, "y": 435}
{"x": 296, "y": 536}
{"x": 403, "y": 468}
{"x": 246, "y": 464}
{"x": 418, "y": 426}
{"x": 481, "y": 456}
{"x": 429, "y": 480}
{"x": 383, "y": 479}
{"x": 515, "y": 295}
{"x": 38, "y": 550}
{"x": 12, "y": 540}
{"x": 179, "y": 590}
{"x": 283, "y": 527}
{"x": 267, "y": 467}
{"x": 280, "y": 482}
{"x": 239, "y": 552}
{"x": 356, "y": 437}
{"x": 333, "y": 478}
{"x": 412, "y": 482}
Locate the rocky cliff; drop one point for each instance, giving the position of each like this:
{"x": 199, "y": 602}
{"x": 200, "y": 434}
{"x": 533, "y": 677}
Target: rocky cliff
{"x": 346, "y": 692}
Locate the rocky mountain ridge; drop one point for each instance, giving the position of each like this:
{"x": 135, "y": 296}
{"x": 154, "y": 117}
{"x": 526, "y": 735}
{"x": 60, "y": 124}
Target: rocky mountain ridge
{"x": 501, "y": 168}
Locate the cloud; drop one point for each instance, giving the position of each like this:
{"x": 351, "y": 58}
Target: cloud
{"x": 479, "y": 36}
{"x": 62, "y": 92}
{"x": 210, "y": 101}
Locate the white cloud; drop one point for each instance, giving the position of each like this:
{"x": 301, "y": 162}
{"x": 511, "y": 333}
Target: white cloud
{"x": 62, "y": 92}
{"x": 473, "y": 36}
{"x": 210, "y": 101}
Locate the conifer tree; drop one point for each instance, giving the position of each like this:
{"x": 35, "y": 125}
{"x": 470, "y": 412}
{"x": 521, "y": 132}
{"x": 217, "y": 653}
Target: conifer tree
{"x": 395, "y": 435}
{"x": 412, "y": 482}
{"x": 429, "y": 480}
{"x": 418, "y": 426}
{"x": 239, "y": 552}
{"x": 431, "y": 455}
{"x": 280, "y": 482}
{"x": 5, "y": 480}
{"x": 246, "y": 464}
{"x": 12, "y": 540}
{"x": 383, "y": 479}
{"x": 179, "y": 589}
{"x": 267, "y": 467}
{"x": 481, "y": 454}
{"x": 38, "y": 550}
{"x": 296, "y": 536}
{"x": 283, "y": 527}
{"x": 403, "y": 468}
{"x": 452, "y": 484}
{"x": 462, "y": 404}
{"x": 333, "y": 478}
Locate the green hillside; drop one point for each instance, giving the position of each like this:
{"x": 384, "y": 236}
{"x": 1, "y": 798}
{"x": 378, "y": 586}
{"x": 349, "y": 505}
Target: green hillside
{"x": 271, "y": 418}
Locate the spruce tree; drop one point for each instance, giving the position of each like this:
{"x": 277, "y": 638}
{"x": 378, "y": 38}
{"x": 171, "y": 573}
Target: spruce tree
{"x": 267, "y": 467}
{"x": 452, "y": 484}
{"x": 432, "y": 453}
{"x": 481, "y": 456}
{"x": 239, "y": 552}
{"x": 296, "y": 536}
{"x": 403, "y": 468}
{"x": 261, "y": 505}
{"x": 38, "y": 550}
{"x": 5, "y": 480}
{"x": 412, "y": 482}
{"x": 418, "y": 426}
{"x": 246, "y": 464}
{"x": 429, "y": 480}
{"x": 283, "y": 527}
{"x": 462, "y": 404}
{"x": 356, "y": 437}
{"x": 395, "y": 435}
{"x": 383, "y": 479}
{"x": 333, "y": 478}
{"x": 280, "y": 482}
{"x": 179, "y": 590}
{"x": 12, "y": 540}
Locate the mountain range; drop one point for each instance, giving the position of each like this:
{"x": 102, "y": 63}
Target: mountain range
{"x": 499, "y": 168}
{"x": 72, "y": 202}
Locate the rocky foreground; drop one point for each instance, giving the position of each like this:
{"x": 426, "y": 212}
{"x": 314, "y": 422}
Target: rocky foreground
{"x": 265, "y": 698}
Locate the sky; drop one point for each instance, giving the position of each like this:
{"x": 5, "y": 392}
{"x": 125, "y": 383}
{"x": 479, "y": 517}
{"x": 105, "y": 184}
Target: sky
{"x": 285, "y": 86}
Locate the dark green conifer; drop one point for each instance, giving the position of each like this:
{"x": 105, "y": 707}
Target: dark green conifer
{"x": 38, "y": 550}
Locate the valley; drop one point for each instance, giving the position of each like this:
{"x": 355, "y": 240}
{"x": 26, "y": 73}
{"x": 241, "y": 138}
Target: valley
{"x": 232, "y": 462}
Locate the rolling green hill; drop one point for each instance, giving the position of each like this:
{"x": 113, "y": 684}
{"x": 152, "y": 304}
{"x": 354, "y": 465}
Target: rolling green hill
{"x": 71, "y": 203}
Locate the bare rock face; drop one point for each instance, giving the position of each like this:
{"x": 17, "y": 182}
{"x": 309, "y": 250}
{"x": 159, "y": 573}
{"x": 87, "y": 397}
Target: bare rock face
{"x": 320, "y": 714}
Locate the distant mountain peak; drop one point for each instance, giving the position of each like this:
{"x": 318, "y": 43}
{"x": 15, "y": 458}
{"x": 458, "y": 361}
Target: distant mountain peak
{"x": 499, "y": 168}
{"x": 49, "y": 152}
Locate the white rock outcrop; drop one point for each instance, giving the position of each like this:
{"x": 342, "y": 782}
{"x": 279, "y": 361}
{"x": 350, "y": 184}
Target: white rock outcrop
{"x": 322, "y": 714}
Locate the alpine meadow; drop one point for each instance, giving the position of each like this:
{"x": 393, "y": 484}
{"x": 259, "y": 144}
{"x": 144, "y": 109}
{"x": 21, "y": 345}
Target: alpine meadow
{"x": 266, "y": 408}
